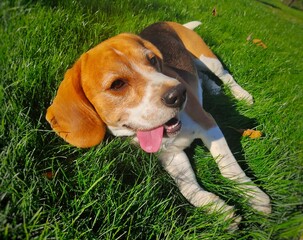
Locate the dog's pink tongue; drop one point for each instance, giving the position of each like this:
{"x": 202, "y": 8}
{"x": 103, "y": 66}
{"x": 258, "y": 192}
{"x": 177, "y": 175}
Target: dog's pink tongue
{"x": 150, "y": 141}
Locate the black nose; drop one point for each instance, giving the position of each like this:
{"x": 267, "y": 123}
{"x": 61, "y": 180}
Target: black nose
{"x": 175, "y": 97}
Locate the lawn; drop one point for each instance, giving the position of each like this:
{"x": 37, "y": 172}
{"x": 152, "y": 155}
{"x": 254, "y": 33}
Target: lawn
{"x": 50, "y": 190}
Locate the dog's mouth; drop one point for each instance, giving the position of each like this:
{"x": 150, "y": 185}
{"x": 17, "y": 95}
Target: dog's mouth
{"x": 150, "y": 140}
{"x": 172, "y": 127}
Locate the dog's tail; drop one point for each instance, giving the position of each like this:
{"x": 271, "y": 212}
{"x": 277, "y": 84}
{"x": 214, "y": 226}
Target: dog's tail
{"x": 192, "y": 25}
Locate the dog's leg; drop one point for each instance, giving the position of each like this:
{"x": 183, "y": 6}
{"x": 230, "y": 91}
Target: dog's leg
{"x": 215, "y": 66}
{"x": 208, "y": 60}
{"x": 199, "y": 124}
{"x": 210, "y": 85}
{"x": 179, "y": 168}
{"x": 229, "y": 168}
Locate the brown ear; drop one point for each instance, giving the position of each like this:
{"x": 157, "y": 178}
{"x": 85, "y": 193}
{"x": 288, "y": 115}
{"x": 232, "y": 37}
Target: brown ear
{"x": 71, "y": 114}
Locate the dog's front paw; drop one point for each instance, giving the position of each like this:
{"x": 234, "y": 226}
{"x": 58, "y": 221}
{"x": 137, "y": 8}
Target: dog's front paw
{"x": 214, "y": 204}
{"x": 219, "y": 206}
{"x": 241, "y": 94}
{"x": 257, "y": 199}
{"x": 260, "y": 201}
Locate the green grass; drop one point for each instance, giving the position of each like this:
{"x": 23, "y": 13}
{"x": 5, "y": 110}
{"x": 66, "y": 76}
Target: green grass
{"x": 115, "y": 191}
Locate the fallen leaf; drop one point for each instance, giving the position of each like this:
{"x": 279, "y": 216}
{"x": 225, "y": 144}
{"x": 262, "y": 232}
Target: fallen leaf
{"x": 249, "y": 133}
{"x": 49, "y": 175}
{"x": 259, "y": 43}
{"x": 252, "y": 133}
{"x": 249, "y": 38}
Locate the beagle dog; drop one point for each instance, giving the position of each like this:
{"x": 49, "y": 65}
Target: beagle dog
{"x": 149, "y": 87}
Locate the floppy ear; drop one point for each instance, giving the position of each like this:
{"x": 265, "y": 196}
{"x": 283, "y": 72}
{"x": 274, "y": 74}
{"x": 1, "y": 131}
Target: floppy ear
{"x": 71, "y": 114}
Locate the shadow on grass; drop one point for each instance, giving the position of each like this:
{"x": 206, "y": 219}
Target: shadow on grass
{"x": 228, "y": 118}
{"x": 268, "y": 4}
{"x": 223, "y": 109}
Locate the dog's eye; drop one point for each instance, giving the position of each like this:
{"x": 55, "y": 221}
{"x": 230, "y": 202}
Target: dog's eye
{"x": 153, "y": 60}
{"x": 117, "y": 84}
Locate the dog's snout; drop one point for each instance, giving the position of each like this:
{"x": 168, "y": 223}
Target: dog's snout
{"x": 175, "y": 97}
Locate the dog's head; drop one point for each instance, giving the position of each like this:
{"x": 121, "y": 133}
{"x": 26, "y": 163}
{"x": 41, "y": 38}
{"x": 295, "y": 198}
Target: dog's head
{"x": 117, "y": 85}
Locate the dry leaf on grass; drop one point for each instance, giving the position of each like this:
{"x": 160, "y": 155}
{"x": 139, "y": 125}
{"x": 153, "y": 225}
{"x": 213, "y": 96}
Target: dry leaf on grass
{"x": 251, "y": 133}
{"x": 49, "y": 175}
{"x": 254, "y": 134}
{"x": 256, "y": 41}
{"x": 249, "y": 37}
{"x": 259, "y": 42}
